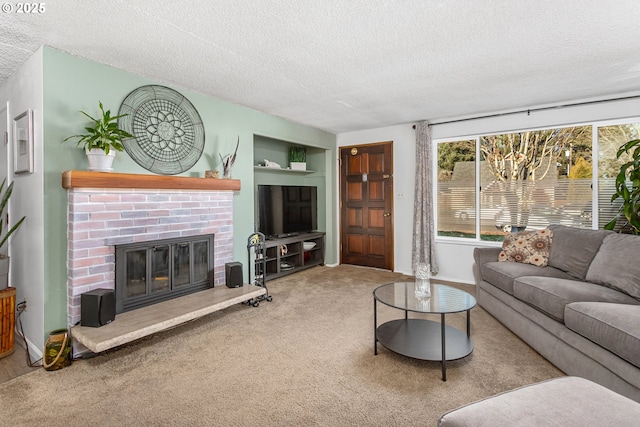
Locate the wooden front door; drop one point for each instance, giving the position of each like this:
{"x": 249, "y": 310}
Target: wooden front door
{"x": 366, "y": 205}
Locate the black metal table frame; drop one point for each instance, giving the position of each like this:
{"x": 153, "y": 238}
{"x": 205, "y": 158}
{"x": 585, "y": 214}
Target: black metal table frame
{"x": 443, "y": 328}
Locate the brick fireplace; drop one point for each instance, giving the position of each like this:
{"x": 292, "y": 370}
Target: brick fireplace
{"x": 103, "y": 212}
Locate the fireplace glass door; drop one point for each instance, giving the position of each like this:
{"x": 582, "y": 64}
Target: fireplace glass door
{"x": 181, "y": 261}
{"x": 200, "y": 264}
{"x": 150, "y": 272}
{"x": 136, "y": 284}
{"x": 160, "y": 268}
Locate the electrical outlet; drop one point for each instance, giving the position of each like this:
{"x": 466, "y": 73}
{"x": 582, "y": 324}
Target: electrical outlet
{"x": 22, "y": 306}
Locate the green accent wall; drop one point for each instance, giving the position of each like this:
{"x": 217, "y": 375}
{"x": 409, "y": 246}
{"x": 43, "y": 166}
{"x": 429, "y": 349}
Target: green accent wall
{"x": 72, "y": 83}
{"x": 277, "y": 150}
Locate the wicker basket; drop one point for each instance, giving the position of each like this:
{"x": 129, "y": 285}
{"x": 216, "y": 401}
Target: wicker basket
{"x": 7, "y": 321}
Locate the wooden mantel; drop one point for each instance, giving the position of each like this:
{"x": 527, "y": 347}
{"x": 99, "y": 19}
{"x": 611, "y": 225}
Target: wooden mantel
{"x": 91, "y": 179}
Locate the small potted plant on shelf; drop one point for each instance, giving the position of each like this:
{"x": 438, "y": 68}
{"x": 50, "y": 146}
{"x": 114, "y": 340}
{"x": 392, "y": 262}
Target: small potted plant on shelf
{"x": 298, "y": 158}
{"x": 630, "y": 208}
{"x": 4, "y": 238}
{"x": 102, "y": 140}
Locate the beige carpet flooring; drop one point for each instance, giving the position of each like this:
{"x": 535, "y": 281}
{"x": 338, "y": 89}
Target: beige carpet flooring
{"x": 304, "y": 359}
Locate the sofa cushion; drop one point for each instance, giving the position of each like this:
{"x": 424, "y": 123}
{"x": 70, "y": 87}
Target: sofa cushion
{"x": 615, "y": 327}
{"x": 551, "y": 295}
{"x": 529, "y": 247}
{"x": 574, "y": 248}
{"x": 502, "y": 274}
{"x": 617, "y": 264}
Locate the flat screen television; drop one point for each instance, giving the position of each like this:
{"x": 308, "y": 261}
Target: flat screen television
{"x": 287, "y": 209}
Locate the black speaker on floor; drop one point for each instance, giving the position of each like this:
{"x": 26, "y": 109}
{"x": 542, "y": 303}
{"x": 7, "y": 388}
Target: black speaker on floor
{"x": 97, "y": 307}
{"x": 233, "y": 274}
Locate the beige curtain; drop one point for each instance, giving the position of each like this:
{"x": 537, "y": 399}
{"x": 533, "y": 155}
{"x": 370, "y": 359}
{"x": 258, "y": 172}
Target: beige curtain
{"x": 424, "y": 248}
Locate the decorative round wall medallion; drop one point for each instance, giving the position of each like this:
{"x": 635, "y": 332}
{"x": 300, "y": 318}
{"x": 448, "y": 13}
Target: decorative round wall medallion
{"x": 167, "y": 129}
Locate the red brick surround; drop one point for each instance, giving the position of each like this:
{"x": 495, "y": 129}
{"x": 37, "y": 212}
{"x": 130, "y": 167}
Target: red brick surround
{"x": 99, "y": 218}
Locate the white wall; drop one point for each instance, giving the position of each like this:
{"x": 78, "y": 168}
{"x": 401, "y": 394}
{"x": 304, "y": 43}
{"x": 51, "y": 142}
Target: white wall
{"x": 455, "y": 257}
{"x": 22, "y": 91}
{"x": 403, "y": 137}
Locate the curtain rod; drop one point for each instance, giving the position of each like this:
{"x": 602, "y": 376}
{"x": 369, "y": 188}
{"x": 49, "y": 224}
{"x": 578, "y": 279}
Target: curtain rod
{"x": 530, "y": 110}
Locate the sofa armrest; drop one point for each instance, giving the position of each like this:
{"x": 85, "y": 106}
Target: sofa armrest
{"x": 482, "y": 256}
{"x": 485, "y": 255}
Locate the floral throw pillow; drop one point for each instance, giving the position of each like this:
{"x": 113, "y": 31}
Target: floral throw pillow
{"x": 528, "y": 247}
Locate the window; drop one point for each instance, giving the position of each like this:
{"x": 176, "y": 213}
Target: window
{"x": 527, "y": 180}
{"x": 457, "y": 188}
{"x": 610, "y": 138}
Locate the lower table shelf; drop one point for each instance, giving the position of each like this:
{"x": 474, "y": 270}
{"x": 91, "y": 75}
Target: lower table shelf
{"x": 421, "y": 339}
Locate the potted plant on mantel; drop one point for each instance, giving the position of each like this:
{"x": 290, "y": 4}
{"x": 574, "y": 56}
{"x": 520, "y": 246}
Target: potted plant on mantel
{"x": 630, "y": 208}
{"x": 298, "y": 158}
{"x": 4, "y": 259}
{"x": 102, "y": 140}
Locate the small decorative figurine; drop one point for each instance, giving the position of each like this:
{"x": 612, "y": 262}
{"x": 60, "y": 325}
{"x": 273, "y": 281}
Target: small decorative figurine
{"x": 228, "y": 160}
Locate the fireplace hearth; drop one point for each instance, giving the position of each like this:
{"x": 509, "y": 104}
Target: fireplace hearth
{"x": 158, "y": 270}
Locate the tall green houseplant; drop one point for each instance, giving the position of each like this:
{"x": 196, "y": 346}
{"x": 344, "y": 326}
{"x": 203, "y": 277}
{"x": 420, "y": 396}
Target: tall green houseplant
{"x": 4, "y": 236}
{"x": 629, "y": 195}
{"x": 3, "y": 204}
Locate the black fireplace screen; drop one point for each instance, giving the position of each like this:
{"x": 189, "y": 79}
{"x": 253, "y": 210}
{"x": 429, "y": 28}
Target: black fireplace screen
{"x": 150, "y": 272}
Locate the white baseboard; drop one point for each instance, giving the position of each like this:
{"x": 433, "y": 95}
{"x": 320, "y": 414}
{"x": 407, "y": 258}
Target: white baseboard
{"x": 34, "y": 352}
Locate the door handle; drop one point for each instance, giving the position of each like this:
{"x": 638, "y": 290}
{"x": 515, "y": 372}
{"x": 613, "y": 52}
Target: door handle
{"x": 387, "y": 214}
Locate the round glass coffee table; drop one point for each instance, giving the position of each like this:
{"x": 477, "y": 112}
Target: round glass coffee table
{"x": 421, "y": 338}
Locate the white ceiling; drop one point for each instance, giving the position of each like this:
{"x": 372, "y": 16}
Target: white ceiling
{"x": 344, "y": 65}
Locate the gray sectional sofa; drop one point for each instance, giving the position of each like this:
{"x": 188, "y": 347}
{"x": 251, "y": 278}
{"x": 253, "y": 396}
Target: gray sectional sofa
{"x": 581, "y": 311}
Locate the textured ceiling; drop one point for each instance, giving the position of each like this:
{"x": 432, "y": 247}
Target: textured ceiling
{"x": 344, "y": 65}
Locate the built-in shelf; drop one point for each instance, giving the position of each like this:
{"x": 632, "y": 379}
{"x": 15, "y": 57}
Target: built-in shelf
{"x": 92, "y": 179}
{"x": 296, "y": 257}
{"x": 280, "y": 170}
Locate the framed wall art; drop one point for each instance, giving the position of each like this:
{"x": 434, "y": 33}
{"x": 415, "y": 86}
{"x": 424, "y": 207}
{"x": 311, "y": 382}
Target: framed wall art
{"x": 23, "y": 143}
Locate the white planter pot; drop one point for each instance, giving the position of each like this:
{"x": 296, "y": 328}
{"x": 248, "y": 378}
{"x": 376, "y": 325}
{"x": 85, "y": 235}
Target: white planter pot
{"x": 298, "y": 166}
{"x": 99, "y": 161}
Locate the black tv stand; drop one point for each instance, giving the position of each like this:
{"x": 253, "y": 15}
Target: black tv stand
{"x": 296, "y": 257}
{"x": 283, "y": 235}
